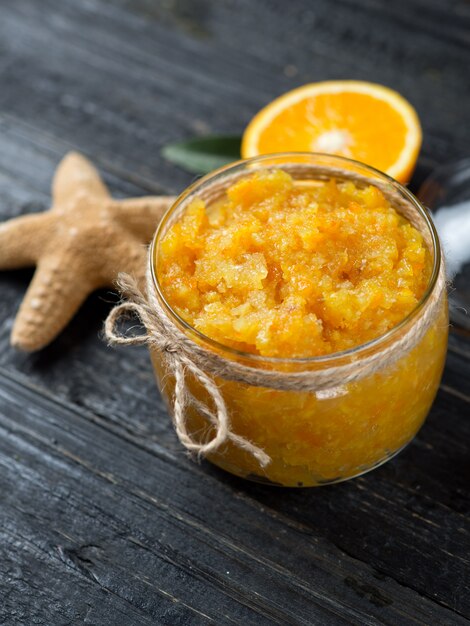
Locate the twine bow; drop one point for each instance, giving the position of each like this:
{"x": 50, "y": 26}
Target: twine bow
{"x": 179, "y": 364}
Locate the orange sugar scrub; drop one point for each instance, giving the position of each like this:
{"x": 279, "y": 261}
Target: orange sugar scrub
{"x": 299, "y": 275}
{"x": 285, "y": 270}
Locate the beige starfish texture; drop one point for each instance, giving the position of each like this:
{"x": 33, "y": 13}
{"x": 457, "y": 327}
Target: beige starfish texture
{"x": 79, "y": 245}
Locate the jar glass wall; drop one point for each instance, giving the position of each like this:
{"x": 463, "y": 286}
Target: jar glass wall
{"x": 337, "y": 432}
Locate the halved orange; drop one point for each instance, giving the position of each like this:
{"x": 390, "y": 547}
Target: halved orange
{"x": 363, "y": 121}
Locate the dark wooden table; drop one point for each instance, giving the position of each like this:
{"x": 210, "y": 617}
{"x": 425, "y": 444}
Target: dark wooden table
{"x": 103, "y": 519}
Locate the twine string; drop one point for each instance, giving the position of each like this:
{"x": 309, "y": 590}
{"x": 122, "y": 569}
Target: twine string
{"x": 178, "y": 363}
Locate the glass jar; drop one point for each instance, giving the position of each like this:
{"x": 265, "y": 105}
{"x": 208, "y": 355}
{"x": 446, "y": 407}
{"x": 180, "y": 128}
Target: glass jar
{"x": 341, "y": 431}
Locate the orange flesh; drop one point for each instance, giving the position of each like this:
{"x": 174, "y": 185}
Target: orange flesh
{"x": 338, "y": 124}
{"x": 290, "y": 270}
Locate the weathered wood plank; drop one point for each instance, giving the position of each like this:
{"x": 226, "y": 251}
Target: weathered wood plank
{"x": 37, "y": 590}
{"x": 103, "y": 519}
{"x": 98, "y": 512}
{"x": 217, "y": 80}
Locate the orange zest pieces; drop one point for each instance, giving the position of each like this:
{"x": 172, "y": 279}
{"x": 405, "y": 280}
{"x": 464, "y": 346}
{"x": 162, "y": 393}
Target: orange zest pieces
{"x": 285, "y": 270}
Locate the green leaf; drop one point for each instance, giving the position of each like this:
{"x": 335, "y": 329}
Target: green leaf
{"x": 203, "y": 154}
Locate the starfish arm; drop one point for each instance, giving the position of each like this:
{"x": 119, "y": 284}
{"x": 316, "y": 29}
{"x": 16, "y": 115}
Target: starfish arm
{"x": 141, "y": 216}
{"x": 54, "y": 295}
{"x": 129, "y": 257}
{"x": 22, "y": 239}
{"x": 76, "y": 175}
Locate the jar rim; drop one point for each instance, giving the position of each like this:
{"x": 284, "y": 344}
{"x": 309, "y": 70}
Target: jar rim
{"x": 355, "y": 351}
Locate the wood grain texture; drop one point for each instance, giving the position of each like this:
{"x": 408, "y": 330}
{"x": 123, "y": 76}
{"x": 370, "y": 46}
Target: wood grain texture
{"x": 95, "y": 513}
{"x": 103, "y": 519}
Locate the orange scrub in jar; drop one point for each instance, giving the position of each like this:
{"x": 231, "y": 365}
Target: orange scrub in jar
{"x": 291, "y": 272}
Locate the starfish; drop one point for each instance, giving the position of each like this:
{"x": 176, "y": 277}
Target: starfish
{"x": 79, "y": 245}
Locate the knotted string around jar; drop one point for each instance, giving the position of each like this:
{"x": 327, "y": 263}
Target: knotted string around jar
{"x": 179, "y": 363}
